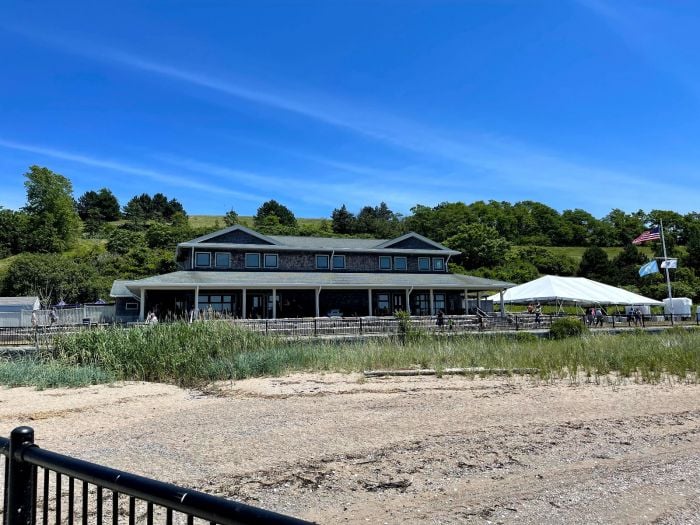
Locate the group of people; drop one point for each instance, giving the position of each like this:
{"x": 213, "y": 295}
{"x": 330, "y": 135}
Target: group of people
{"x": 151, "y": 318}
{"x": 595, "y": 316}
{"x": 634, "y": 315}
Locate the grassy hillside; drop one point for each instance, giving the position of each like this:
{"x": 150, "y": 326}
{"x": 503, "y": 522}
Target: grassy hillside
{"x": 209, "y": 221}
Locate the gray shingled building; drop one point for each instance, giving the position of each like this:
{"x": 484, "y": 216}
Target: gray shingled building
{"x": 241, "y": 273}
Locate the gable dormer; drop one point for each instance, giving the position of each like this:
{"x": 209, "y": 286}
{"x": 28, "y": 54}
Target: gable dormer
{"x": 412, "y": 241}
{"x": 236, "y": 234}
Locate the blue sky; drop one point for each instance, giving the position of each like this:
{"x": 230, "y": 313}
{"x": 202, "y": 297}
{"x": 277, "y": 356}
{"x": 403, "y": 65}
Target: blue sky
{"x": 223, "y": 105}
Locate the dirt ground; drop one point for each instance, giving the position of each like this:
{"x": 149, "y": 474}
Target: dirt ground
{"x": 339, "y": 448}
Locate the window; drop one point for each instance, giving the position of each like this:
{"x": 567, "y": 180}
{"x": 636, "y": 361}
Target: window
{"x": 322, "y": 262}
{"x": 222, "y": 260}
{"x": 400, "y": 263}
{"x": 438, "y": 264}
{"x": 424, "y": 264}
{"x": 339, "y": 262}
{"x": 383, "y": 303}
{"x": 384, "y": 262}
{"x": 131, "y": 306}
{"x": 252, "y": 260}
{"x": 270, "y": 260}
{"x": 202, "y": 259}
{"x": 217, "y": 303}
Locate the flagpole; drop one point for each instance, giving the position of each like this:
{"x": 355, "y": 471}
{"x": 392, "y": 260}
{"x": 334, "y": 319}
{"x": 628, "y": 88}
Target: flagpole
{"x": 668, "y": 278}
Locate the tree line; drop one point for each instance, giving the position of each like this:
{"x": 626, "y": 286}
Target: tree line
{"x": 500, "y": 240}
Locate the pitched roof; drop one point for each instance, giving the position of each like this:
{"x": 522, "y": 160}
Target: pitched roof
{"x": 306, "y": 280}
{"x": 119, "y": 289}
{"x": 25, "y": 301}
{"x": 296, "y": 242}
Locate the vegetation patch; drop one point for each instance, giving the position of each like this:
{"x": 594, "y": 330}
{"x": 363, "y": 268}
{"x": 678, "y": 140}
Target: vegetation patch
{"x": 191, "y": 355}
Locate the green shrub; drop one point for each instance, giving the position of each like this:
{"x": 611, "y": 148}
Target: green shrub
{"x": 566, "y": 327}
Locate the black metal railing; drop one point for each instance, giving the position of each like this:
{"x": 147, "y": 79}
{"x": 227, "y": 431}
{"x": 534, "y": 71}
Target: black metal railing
{"x": 45, "y": 487}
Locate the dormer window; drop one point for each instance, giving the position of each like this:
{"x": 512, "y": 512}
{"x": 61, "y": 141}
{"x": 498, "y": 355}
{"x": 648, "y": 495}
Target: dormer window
{"x": 438, "y": 264}
{"x": 322, "y": 262}
{"x": 385, "y": 262}
{"x": 202, "y": 259}
{"x": 222, "y": 260}
{"x": 252, "y": 260}
{"x": 339, "y": 262}
{"x": 424, "y": 264}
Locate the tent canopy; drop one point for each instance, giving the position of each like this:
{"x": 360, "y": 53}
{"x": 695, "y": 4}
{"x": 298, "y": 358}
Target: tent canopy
{"x": 577, "y": 290}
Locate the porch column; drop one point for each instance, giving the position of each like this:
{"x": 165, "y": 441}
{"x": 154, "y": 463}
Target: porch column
{"x": 503, "y": 304}
{"x": 466, "y": 302}
{"x": 195, "y": 314}
{"x": 243, "y": 304}
{"x": 369, "y": 301}
{"x": 142, "y": 307}
{"x": 318, "y": 300}
{"x": 274, "y": 303}
{"x": 408, "y": 301}
{"x": 432, "y": 303}
{"x": 478, "y": 300}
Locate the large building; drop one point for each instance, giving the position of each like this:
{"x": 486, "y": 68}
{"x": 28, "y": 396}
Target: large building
{"x": 239, "y": 272}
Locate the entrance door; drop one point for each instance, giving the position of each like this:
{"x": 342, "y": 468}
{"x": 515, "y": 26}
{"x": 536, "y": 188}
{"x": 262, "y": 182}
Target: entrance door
{"x": 256, "y": 306}
{"x": 399, "y": 302}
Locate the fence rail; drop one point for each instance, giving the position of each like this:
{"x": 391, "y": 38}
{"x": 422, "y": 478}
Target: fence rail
{"x": 42, "y": 336}
{"x": 96, "y": 494}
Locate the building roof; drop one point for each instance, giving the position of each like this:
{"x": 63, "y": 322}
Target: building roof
{"x": 119, "y": 289}
{"x": 24, "y": 302}
{"x": 421, "y": 245}
{"x": 306, "y": 280}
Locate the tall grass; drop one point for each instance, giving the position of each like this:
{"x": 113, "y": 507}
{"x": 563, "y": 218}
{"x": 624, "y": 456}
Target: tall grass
{"x": 47, "y": 374}
{"x": 191, "y": 354}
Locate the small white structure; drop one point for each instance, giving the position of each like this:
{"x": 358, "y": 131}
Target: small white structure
{"x": 17, "y": 311}
{"x": 682, "y": 307}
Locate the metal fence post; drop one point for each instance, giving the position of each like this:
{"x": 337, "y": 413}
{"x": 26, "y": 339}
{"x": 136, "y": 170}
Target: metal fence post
{"x": 20, "y": 480}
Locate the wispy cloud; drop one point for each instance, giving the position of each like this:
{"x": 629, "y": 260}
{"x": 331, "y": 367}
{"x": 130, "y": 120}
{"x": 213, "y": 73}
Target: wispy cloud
{"x": 159, "y": 176}
{"x": 478, "y": 163}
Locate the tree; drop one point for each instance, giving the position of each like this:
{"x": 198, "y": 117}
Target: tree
{"x": 595, "y": 264}
{"x": 13, "y": 230}
{"x": 272, "y": 207}
{"x": 343, "y": 221}
{"x": 625, "y": 266}
{"x": 692, "y": 259}
{"x": 52, "y": 276}
{"x": 480, "y": 245}
{"x": 626, "y": 226}
{"x": 53, "y": 224}
{"x": 231, "y": 218}
{"x": 378, "y": 221}
{"x": 544, "y": 260}
{"x": 99, "y": 205}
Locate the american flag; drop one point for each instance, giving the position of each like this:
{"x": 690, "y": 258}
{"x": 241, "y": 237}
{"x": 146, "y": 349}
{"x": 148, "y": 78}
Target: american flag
{"x": 650, "y": 235}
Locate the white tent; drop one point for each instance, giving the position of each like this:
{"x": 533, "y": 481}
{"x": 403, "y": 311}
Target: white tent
{"x": 577, "y": 290}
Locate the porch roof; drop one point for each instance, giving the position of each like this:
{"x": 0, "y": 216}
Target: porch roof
{"x": 305, "y": 280}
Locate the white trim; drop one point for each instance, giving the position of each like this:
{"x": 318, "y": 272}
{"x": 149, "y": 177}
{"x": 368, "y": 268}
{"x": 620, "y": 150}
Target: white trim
{"x": 245, "y": 259}
{"x": 424, "y": 259}
{"x": 442, "y": 262}
{"x": 405, "y": 260}
{"x": 131, "y": 305}
{"x": 197, "y": 254}
{"x": 391, "y": 263}
{"x": 334, "y": 267}
{"x": 277, "y": 260}
{"x": 328, "y": 259}
{"x": 216, "y": 256}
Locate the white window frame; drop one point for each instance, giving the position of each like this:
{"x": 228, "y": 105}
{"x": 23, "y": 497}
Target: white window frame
{"x": 131, "y": 305}
{"x": 425, "y": 259}
{"x": 245, "y": 259}
{"x": 442, "y": 263}
{"x": 196, "y": 262}
{"x": 328, "y": 261}
{"x": 277, "y": 260}
{"x": 391, "y": 263}
{"x": 340, "y": 257}
{"x": 405, "y": 263}
{"x": 221, "y": 254}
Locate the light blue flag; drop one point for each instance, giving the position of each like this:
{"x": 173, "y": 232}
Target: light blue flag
{"x": 650, "y": 267}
